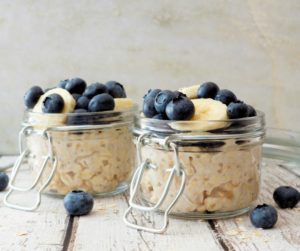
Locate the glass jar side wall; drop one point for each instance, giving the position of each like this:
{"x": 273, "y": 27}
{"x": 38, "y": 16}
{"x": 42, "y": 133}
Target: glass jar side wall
{"x": 99, "y": 161}
{"x": 221, "y": 176}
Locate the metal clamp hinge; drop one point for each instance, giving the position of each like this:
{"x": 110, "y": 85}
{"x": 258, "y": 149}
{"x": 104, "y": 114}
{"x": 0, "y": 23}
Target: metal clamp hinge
{"x": 16, "y": 168}
{"x": 136, "y": 180}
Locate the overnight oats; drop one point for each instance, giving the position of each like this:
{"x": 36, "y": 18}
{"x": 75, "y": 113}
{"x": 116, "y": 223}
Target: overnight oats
{"x": 86, "y": 134}
{"x": 200, "y": 150}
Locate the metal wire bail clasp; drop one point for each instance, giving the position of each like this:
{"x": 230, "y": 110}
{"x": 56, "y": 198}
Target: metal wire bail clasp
{"x": 136, "y": 180}
{"x": 26, "y": 131}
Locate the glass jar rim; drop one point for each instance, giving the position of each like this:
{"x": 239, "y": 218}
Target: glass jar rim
{"x": 134, "y": 108}
{"x": 77, "y": 121}
{"x": 203, "y": 128}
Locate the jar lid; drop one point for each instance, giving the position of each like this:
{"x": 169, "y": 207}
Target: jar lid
{"x": 58, "y": 121}
{"x": 203, "y": 129}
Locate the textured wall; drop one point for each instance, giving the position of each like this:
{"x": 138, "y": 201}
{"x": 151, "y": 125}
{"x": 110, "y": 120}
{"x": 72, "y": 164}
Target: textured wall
{"x": 251, "y": 47}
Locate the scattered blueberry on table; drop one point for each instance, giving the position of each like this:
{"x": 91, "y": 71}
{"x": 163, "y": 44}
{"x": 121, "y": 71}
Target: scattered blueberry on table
{"x": 286, "y": 197}
{"x": 78, "y": 203}
{"x": 3, "y": 181}
{"x": 264, "y": 216}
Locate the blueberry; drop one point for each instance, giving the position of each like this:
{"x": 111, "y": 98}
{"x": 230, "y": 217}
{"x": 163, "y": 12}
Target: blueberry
{"x": 3, "y": 181}
{"x": 74, "y": 119}
{"x": 208, "y": 90}
{"x": 115, "y": 89}
{"x": 95, "y": 89}
{"x": 180, "y": 108}
{"x": 82, "y": 103}
{"x": 78, "y": 203}
{"x": 76, "y": 85}
{"x": 162, "y": 99}
{"x": 101, "y": 102}
{"x": 264, "y": 216}
{"x": 62, "y": 84}
{"x": 148, "y": 107}
{"x": 53, "y": 103}
{"x": 251, "y": 111}
{"x": 237, "y": 110}
{"x": 152, "y": 93}
{"x": 286, "y": 197}
{"x": 225, "y": 96}
{"x": 76, "y": 96}
{"x": 32, "y": 96}
{"x": 160, "y": 116}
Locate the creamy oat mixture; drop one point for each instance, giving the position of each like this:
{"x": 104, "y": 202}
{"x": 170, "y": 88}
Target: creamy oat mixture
{"x": 217, "y": 179}
{"x": 96, "y": 161}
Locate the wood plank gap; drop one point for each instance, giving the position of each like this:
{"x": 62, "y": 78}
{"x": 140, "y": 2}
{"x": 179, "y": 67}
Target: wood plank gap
{"x": 70, "y": 235}
{"x": 289, "y": 170}
{"x": 218, "y": 235}
{"x": 135, "y": 221}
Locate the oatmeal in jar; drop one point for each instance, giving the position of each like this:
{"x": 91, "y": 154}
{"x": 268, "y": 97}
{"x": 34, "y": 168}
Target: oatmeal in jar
{"x": 211, "y": 141}
{"x": 86, "y": 131}
{"x": 218, "y": 178}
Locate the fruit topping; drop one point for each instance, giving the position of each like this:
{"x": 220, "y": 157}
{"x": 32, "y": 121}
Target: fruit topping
{"x": 95, "y": 89}
{"x": 237, "y": 110}
{"x": 180, "y": 108}
{"x": 115, "y": 89}
{"x": 32, "y": 96}
{"x": 208, "y": 90}
{"x": 101, "y": 102}
{"x": 53, "y": 103}
{"x": 75, "y": 85}
{"x": 225, "y": 96}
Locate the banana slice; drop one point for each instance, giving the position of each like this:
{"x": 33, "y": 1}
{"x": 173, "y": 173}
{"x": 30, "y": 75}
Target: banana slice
{"x": 123, "y": 103}
{"x": 209, "y": 115}
{"x": 43, "y": 120}
{"x": 191, "y": 91}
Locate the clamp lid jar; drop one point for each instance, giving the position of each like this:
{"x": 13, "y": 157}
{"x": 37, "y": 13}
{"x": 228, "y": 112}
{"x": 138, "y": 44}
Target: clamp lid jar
{"x": 193, "y": 172}
{"x": 76, "y": 151}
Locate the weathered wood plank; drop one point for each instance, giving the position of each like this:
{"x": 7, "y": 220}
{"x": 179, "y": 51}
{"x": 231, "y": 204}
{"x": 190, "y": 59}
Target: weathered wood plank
{"x": 104, "y": 229}
{"x": 108, "y": 231}
{"x": 43, "y": 229}
{"x": 285, "y": 236}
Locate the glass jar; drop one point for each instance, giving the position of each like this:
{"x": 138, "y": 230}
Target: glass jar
{"x": 199, "y": 169}
{"x": 94, "y": 152}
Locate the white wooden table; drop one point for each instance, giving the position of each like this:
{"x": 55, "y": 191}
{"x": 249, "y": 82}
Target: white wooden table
{"x": 49, "y": 228}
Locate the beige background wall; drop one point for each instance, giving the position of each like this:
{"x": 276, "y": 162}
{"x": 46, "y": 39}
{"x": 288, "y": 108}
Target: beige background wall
{"x": 251, "y": 47}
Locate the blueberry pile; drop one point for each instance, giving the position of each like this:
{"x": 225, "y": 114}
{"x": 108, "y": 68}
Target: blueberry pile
{"x": 265, "y": 216}
{"x": 95, "y": 97}
{"x": 178, "y": 105}
{"x": 235, "y": 108}
{"x": 167, "y": 104}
